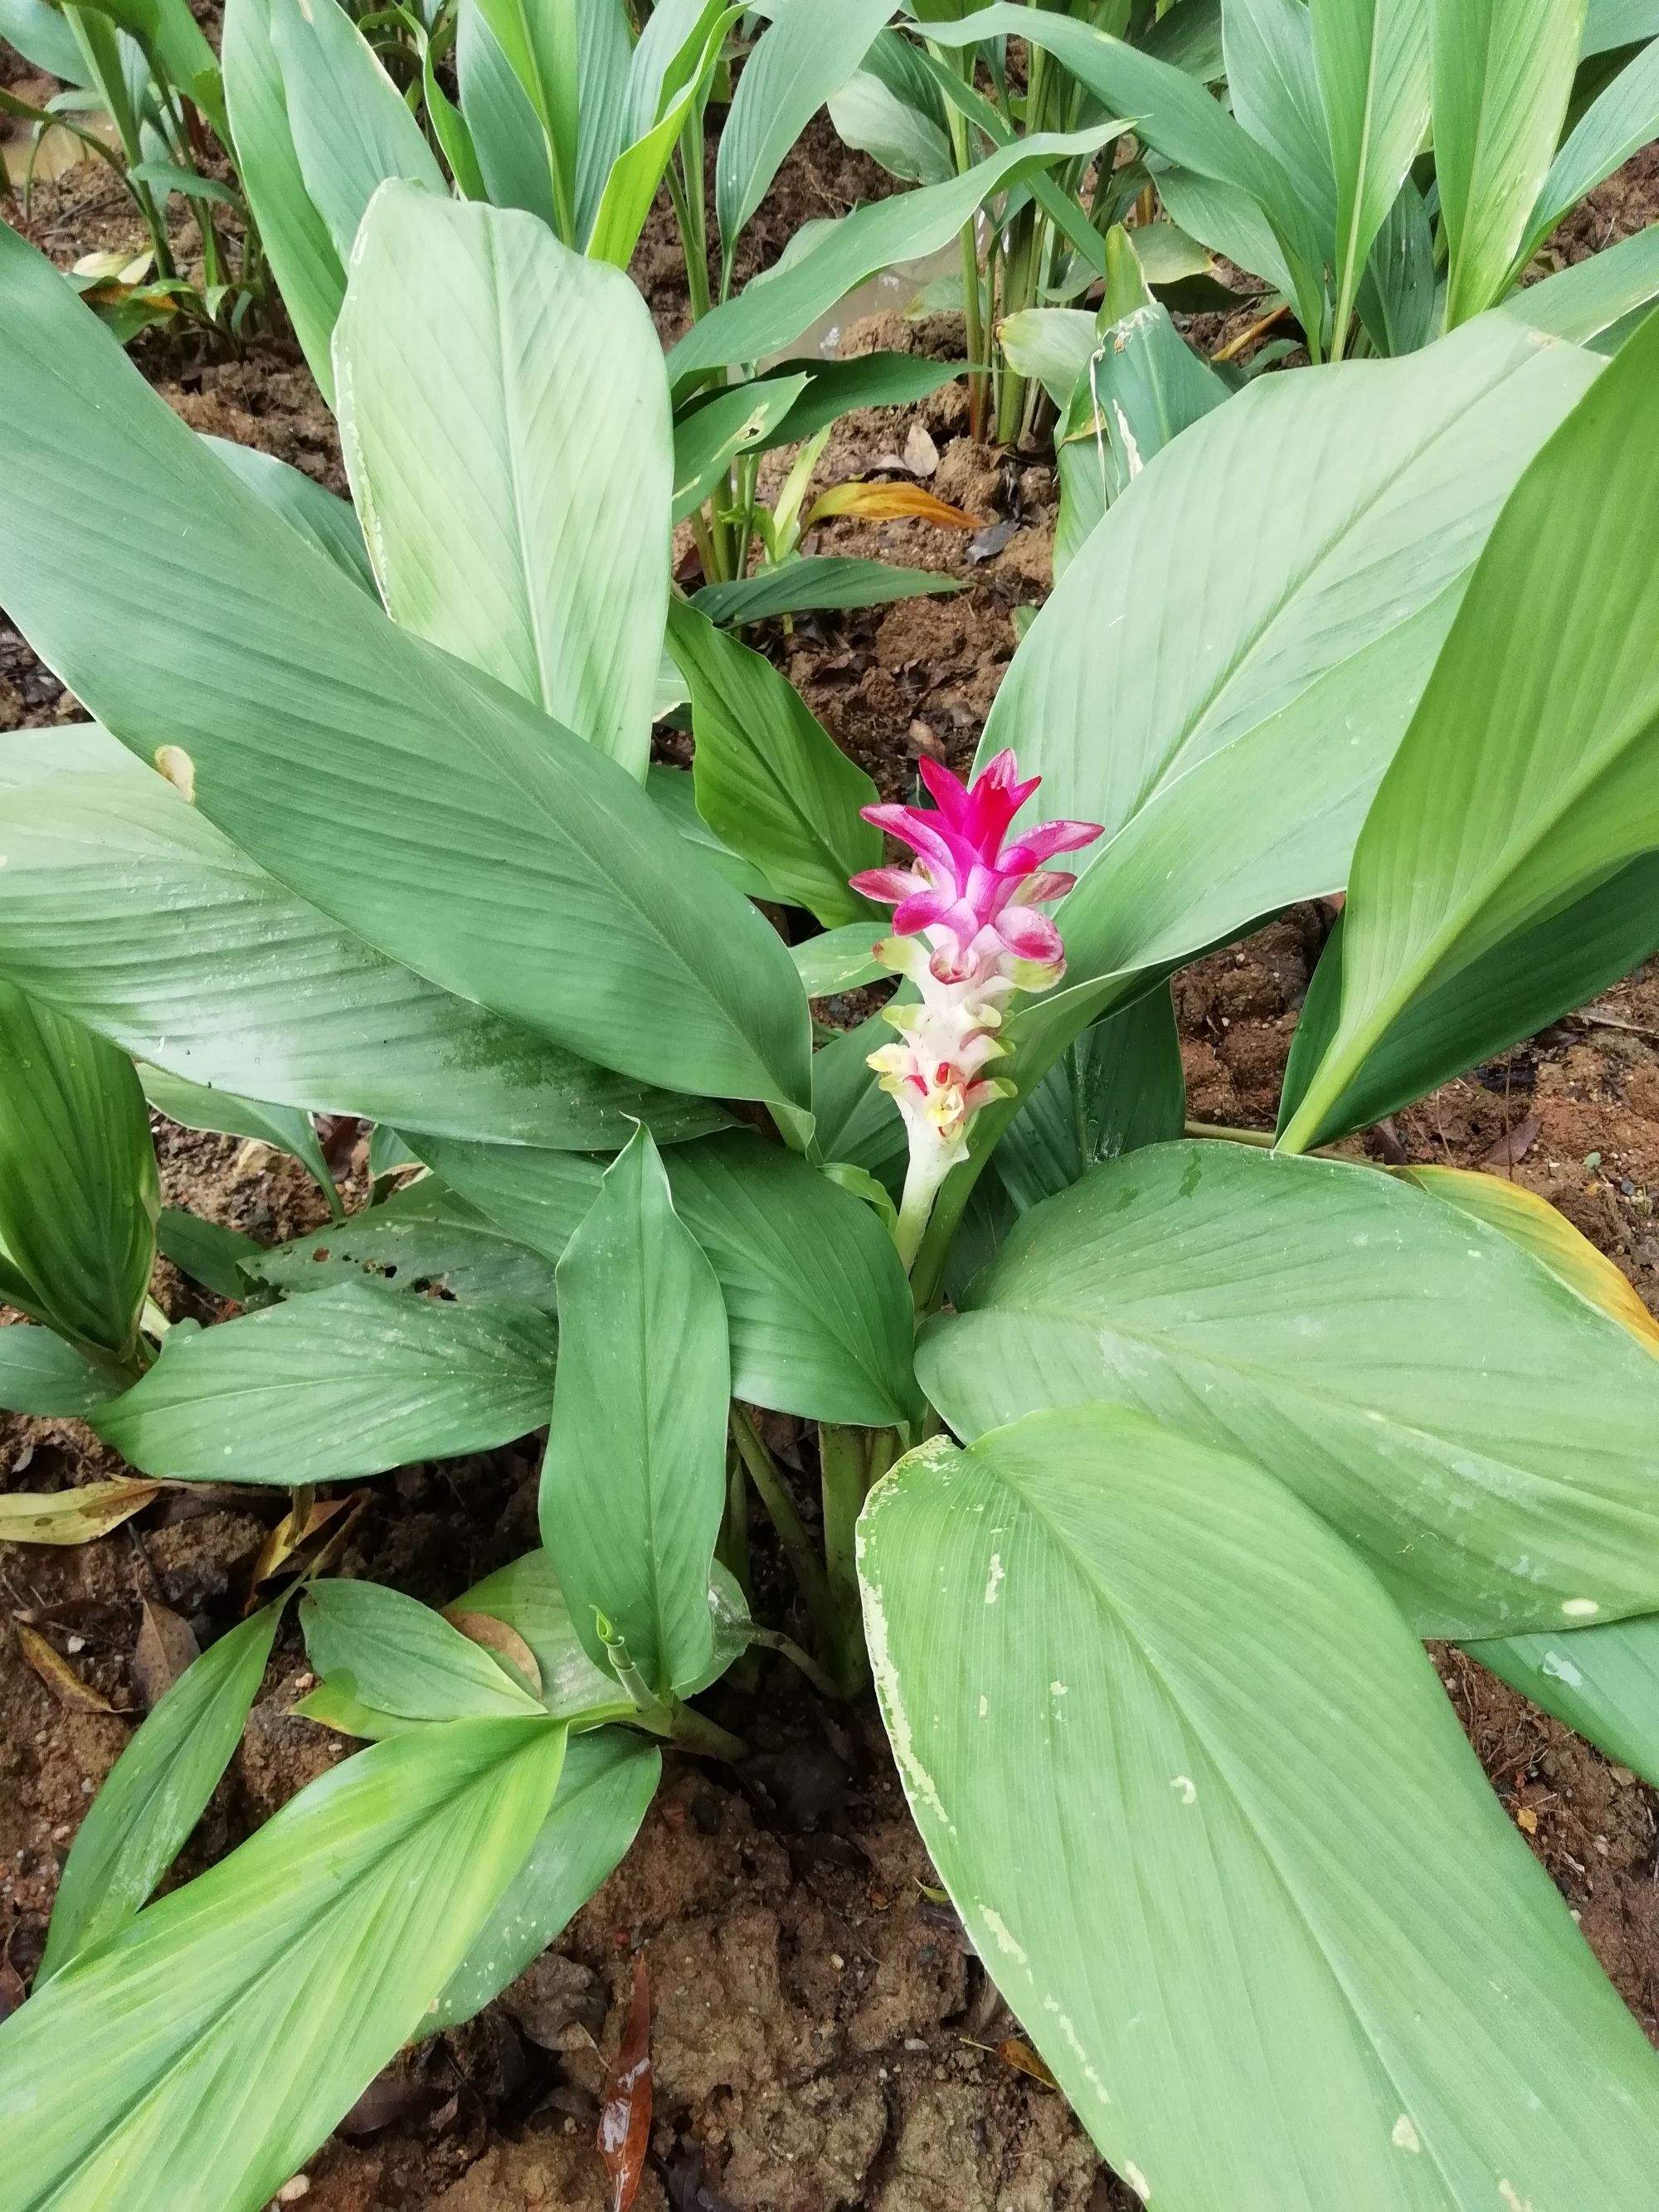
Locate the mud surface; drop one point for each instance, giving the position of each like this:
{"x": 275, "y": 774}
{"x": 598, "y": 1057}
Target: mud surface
{"x": 824, "y": 2037}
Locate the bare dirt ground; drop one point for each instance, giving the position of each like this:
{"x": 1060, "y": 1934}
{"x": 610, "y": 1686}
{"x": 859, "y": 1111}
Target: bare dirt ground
{"x": 824, "y": 2037}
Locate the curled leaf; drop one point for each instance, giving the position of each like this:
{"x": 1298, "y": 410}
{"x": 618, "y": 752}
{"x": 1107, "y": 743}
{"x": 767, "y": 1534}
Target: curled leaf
{"x": 59, "y": 1677}
{"x": 71, "y": 1516}
{"x": 625, "y": 2115}
{"x": 890, "y": 503}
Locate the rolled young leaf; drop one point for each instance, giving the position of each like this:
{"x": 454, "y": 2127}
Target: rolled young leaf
{"x": 1216, "y": 1833}
{"x": 431, "y": 810}
{"x": 346, "y": 1382}
{"x": 156, "y": 1792}
{"x": 1530, "y": 772}
{"x": 203, "y": 2051}
{"x": 633, "y": 1485}
{"x": 79, "y": 1191}
{"x": 504, "y": 420}
{"x": 1474, "y": 1427}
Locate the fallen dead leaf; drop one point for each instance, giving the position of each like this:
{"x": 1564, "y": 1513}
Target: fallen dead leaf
{"x": 1024, "y": 2060}
{"x": 59, "y": 1677}
{"x": 890, "y": 502}
{"x": 71, "y": 1516}
{"x": 165, "y": 1648}
{"x": 1514, "y": 1144}
{"x": 625, "y": 2115}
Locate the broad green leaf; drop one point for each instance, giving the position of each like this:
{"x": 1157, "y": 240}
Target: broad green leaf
{"x": 400, "y": 1657}
{"x": 123, "y": 905}
{"x": 769, "y": 780}
{"x": 1612, "y": 23}
{"x": 1050, "y": 346}
{"x": 814, "y": 583}
{"x": 156, "y": 1792}
{"x": 821, "y": 1316}
{"x": 1274, "y": 83}
{"x": 423, "y": 1238}
{"x": 605, "y": 1791}
{"x": 807, "y": 54}
{"x": 1398, "y": 296}
{"x": 1229, "y": 221}
{"x": 321, "y": 520}
{"x": 450, "y": 129}
{"x": 434, "y": 812}
{"x": 1474, "y": 1426}
{"x": 604, "y": 50}
{"x": 40, "y": 34}
{"x": 1119, "y": 1087}
{"x": 675, "y": 795}
{"x": 526, "y": 1596}
{"x": 207, "y": 1252}
{"x": 515, "y": 500}
{"x": 1530, "y": 772}
{"x": 633, "y": 1485}
{"x": 1372, "y": 58}
{"x": 43, "y": 1374}
{"x": 1604, "y": 1682}
{"x": 710, "y": 437}
{"x": 1623, "y": 120}
{"x": 891, "y": 109}
{"x": 1502, "y": 73}
{"x": 1518, "y": 987}
{"x": 195, "y": 1106}
{"x": 1218, "y": 1836}
{"x": 834, "y": 388}
{"x": 506, "y": 135}
{"x": 310, "y": 272}
{"x": 175, "y": 46}
{"x": 542, "y": 47}
{"x": 346, "y": 1382}
{"x": 202, "y": 2052}
{"x": 1298, "y": 553}
{"x": 350, "y": 128}
{"x": 1596, "y": 302}
{"x": 79, "y": 1192}
{"x": 772, "y": 311}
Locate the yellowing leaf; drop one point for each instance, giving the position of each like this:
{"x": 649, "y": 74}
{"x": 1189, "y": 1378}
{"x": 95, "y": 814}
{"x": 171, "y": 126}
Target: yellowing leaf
{"x": 890, "y": 503}
{"x": 71, "y": 1516}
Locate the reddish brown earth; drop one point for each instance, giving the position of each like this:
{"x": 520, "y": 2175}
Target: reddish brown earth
{"x": 824, "y": 2037}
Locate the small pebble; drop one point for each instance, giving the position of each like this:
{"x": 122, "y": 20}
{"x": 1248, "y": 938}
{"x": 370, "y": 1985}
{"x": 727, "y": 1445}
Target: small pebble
{"x": 292, "y": 2192}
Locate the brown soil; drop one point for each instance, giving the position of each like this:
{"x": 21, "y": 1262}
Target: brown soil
{"x": 824, "y": 2037}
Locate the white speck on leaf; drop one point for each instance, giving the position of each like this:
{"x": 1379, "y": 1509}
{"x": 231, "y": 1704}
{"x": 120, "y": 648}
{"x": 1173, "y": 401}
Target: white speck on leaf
{"x": 1405, "y": 2136}
{"x": 179, "y": 769}
{"x": 1138, "y": 2181}
{"x": 1002, "y": 1936}
{"x": 1580, "y": 1608}
{"x": 993, "y": 1580}
{"x": 1558, "y": 1665}
{"x": 1187, "y": 1786}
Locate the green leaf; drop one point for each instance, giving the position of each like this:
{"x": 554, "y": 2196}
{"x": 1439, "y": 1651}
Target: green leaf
{"x": 434, "y": 813}
{"x": 1273, "y": 82}
{"x": 771, "y": 781}
{"x": 772, "y": 311}
{"x": 1371, "y": 58}
{"x": 121, "y": 905}
{"x": 350, "y": 128}
{"x": 207, "y": 1252}
{"x": 525, "y": 1596}
{"x": 1322, "y": 525}
{"x": 516, "y": 505}
{"x": 709, "y": 438}
{"x": 1624, "y": 119}
{"x": 323, "y": 520}
{"x": 1218, "y": 1837}
{"x": 1398, "y": 298}
{"x": 42, "y": 36}
{"x": 834, "y": 388}
{"x": 675, "y": 795}
{"x": 1594, "y": 302}
{"x": 346, "y": 1382}
{"x": 1602, "y": 1682}
{"x": 891, "y": 109}
{"x": 79, "y": 1192}
{"x": 506, "y": 135}
{"x": 609, "y": 1780}
{"x": 839, "y": 959}
{"x": 633, "y": 1487}
{"x": 1612, "y": 23}
{"x": 450, "y": 129}
{"x": 814, "y": 582}
{"x": 400, "y": 1657}
{"x": 227, "y": 2029}
{"x": 820, "y": 1313}
{"x": 1502, "y": 73}
{"x": 663, "y": 96}
{"x": 310, "y": 272}
{"x": 1517, "y": 988}
{"x": 1412, "y": 1373}
{"x": 167, "y": 176}
{"x": 806, "y": 55}
{"x": 42, "y": 1375}
{"x": 604, "y": 53}
{"x": 423, "y": 1238}
{"x": 156, "y": 1792}
{"x": 1119, "y": 1087}
{"x": 196, "y": 1106}
{"x": 1528, "y": 774}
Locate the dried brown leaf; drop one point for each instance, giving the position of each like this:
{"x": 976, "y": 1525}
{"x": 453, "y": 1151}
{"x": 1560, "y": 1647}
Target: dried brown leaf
{"x": 625, "y": 2115}
{"x": 502, "y": 1643}
{"x": 59, "y": 1677}
{"x": 165, "y": 1648}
